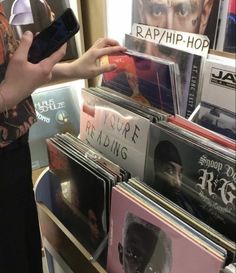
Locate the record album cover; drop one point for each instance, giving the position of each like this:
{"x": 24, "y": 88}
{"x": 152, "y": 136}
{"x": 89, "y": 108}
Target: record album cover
{"x": 148, "y": 80}
{"x": 141, "y": 240}
{"x": 78, "y": 198}
{"x": 197, "y": 178}
{"x": 189, "y": 70}
{"x": 218, "y": 98}
{"x": 57, "y": 110}
{"x": 188, "y": 16}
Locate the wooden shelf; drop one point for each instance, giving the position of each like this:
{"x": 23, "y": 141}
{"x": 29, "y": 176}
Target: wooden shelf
{"x": 65, "y": 244}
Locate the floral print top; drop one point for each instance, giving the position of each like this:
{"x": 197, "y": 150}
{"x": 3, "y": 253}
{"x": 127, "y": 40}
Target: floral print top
{"x": 22, "y": 116}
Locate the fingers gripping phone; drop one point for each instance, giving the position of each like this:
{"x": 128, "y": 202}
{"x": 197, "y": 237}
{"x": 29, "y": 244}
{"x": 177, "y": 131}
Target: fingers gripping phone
{"x": 53, "y": 37}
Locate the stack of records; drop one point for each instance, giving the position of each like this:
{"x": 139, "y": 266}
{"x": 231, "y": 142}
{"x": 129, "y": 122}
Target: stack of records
{"x": 218, "y": 98}
{"x": 189, "y": 69}
{"x": 81, "y": 193}
{"x": 148, "y": 80}
{"x": 144, "y": 237}
{"x": 195, "y": 173}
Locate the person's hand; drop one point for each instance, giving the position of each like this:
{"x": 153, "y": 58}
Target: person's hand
{"x": 23, "y": 77}
{"x": 88, "y": 65}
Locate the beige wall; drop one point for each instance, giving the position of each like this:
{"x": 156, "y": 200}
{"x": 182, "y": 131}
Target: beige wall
{"x": 94, "y": 24}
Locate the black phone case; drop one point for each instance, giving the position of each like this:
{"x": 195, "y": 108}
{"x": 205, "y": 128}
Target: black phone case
{"x": 53, "y": 37}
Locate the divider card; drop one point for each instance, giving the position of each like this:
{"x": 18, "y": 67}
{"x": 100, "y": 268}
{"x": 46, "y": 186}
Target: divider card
{"x": 148, "y": 80}
{"x": 121, "y": 135}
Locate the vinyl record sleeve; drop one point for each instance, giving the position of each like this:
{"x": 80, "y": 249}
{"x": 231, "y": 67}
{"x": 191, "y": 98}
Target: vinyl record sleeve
{"x": 145, "y": 79}
{"x": 78, "y": 147}
{"x": 179, "y": 16}
{"x": 202, "y": 131}
{"x": 174, "y": 221}
{"x": 183, "y": 215}
{"x": 107, "y": 175}
{"x": 159, "y": 248}
{"x": 151, "y": 113}
{"x": 217, "y": 120}
{"x": 57, "y": 110}
{"x": 188, "y": 75}
{"x": 196, "y": 178}
{"x": 218, "y": 98}
{"x": 219, "y": 82}
{"x": 200, "y": 141}
{"x": 79, "y": 199}
{"x": 116, "y": 132}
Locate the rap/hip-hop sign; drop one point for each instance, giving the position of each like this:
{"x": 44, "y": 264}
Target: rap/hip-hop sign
{"x": 190, "y": 42}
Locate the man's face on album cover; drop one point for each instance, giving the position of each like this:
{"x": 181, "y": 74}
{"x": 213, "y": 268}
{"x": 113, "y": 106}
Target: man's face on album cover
{"x": 183, "y": 15}
{"x": 139, "y": 244}
{"x": 171, "y": 173}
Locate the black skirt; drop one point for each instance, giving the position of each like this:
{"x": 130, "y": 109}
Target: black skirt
{"x": 20, "y": 243}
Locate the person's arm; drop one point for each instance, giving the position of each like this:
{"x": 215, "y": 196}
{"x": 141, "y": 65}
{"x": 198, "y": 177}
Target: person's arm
{"x": 88, "y": 65}
{"x": 23, "y": 77}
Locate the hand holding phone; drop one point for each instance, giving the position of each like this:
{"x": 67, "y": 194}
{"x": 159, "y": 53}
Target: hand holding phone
{"x": 53, "y": 37}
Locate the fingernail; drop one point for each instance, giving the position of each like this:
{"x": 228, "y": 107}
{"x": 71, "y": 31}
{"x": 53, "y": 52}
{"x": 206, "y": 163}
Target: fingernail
{"x": 27, "y": 33}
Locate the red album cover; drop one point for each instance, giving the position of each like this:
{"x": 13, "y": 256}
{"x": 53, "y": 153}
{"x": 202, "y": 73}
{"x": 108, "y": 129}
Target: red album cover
{"x": 147, "y": 80}
{"x": 199, "y": 130}
{"x": 189, "y": 69}
{"x": 143, "y": 241}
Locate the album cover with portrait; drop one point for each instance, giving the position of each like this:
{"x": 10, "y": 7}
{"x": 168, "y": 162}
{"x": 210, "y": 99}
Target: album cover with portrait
{"x": 189, "y": 72}
{"x": 143, "y": 238}
{"x": 57, "y": 110}
{"x": 187, "y": 16}
{"x": 194, "y": 173}
{"x": 79, "y": 198}
{"x": 143, "y": 78}
{"x": 118, "y": 133}
{"x": 154, "y": 196}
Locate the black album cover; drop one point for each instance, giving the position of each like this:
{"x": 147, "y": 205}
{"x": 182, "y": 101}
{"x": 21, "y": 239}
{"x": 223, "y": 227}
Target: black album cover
{"x": 195, "y": 177}
{"x": 93, "y": 155}
{"x": 79, "y": 198}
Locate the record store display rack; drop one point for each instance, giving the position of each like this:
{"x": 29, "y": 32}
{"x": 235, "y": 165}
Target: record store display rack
{"x": 147, "y": 183}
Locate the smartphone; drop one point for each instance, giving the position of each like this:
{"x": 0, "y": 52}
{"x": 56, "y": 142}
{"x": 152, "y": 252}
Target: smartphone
{"x": 54, "y": 36}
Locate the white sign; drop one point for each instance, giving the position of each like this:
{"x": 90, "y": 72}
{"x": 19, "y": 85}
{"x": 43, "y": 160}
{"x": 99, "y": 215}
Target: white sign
{"x": 116, "y": 132}
{"x": 189, "y": 42}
